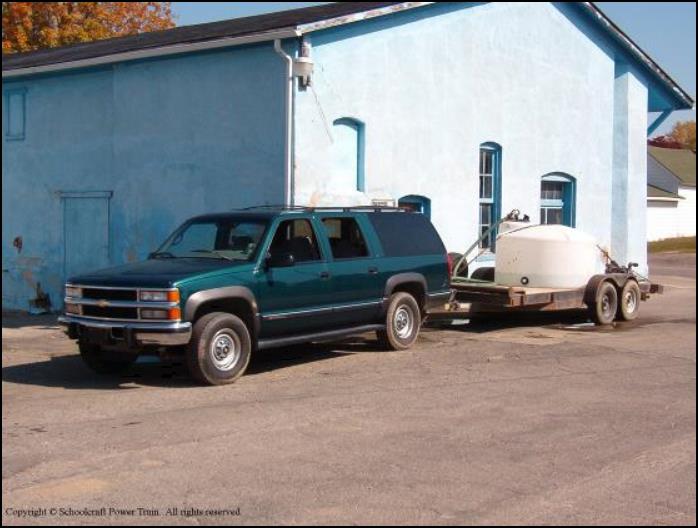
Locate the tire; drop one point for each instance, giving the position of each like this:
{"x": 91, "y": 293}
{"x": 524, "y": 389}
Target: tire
{"x": 455, "y": 257}
{"x": 102, "y": 362}
{"x": 484, "y": 274}
{"x": 220, "y": 349}
{"x": 603, "y": 311}
{"x": 629, "y": 301}
{"x": 402, "y": 322}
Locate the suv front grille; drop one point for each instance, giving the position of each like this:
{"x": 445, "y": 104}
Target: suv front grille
{"x": 110, "y": 312}
{"x": 117, "y": 304}
{"x": 109, "y": 294}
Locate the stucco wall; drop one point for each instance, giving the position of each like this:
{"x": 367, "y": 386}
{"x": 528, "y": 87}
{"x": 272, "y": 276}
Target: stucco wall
{"x": 526, "y": 76}
{"x": 170, "y": 138}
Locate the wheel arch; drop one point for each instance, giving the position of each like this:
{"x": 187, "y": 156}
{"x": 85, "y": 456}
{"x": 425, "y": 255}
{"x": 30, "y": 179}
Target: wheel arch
{"x": 413, "y": 283}
{"x": 237, "y": 300}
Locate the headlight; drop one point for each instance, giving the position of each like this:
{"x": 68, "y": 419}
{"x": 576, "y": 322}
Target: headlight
{"x": 72, "y": 308}
{"x": 154, "y": 314}
{"x": 160, "y": 295}
{"x": 73, "y": 291}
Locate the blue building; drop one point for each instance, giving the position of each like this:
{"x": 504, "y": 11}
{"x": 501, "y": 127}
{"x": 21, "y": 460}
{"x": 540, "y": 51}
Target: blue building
{"x": 463, "y": 111}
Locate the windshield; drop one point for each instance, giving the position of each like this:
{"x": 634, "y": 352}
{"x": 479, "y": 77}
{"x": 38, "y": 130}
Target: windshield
{"x": 228, "y": 238}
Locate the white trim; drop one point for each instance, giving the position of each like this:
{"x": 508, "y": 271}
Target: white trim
{"x": 175, "y": 49}
{"x": 357, "y": 17}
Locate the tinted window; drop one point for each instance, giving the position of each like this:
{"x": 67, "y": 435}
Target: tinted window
{"x": 297, "y": 238}
{"x": 345, "y": 238}
{"x": 406, "y": 234}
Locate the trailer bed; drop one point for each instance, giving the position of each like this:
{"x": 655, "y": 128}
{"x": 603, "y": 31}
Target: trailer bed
{"x": 469, "y": 296}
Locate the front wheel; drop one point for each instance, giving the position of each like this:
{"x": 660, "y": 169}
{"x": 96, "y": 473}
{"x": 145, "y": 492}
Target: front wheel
{"x": 402, "y": 322}
{"x": 220, "y": 349}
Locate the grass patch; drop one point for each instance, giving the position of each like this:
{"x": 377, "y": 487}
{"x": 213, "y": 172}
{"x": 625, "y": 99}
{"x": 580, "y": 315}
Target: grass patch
{"x": 680, "y": 244}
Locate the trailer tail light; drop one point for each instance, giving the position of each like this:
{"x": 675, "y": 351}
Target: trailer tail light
{"x": 449, "y": 262}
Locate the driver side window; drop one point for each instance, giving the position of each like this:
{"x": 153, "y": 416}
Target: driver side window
{"x": 297, "y": 238}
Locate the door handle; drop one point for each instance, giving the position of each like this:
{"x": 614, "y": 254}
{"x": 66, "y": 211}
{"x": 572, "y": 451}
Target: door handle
{"x": 373, "y": 270}
{"x": 324, "y": 274}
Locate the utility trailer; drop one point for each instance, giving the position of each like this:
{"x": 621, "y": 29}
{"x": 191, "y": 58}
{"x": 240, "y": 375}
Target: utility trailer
{"x": 613, "y": 295}
{"x": 607, "y": 297}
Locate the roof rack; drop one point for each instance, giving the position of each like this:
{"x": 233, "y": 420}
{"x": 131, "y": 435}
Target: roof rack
{"x": 310, "y": 209}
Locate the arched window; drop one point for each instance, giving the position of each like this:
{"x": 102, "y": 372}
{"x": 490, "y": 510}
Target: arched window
{"x": 490, "y": 192}
{"x": 558, "y": 194}
{"x": 348, "y": 154}
{"x": 414, "y": 202}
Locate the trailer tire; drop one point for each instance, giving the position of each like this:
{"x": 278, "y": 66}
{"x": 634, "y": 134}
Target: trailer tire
{"x": 402, "y": 322}
{"x": 605, "y": 305}
{"x": 484, "y": 274}
{"x": 629, "y": 301}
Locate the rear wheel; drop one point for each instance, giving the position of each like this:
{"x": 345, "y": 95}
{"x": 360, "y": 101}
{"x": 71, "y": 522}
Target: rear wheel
{"x": 402, "y": 322}
{"x": 603, "y": 311}
{"x": 103, "y": 362}
{"x": 629, "y": 302}
{"x": 220, "y": 349}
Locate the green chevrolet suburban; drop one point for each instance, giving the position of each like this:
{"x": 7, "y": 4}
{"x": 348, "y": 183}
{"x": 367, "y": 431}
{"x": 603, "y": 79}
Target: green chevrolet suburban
{"x": 224, "y": 285}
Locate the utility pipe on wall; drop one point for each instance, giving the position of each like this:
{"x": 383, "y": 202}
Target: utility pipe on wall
{"x": 288, "y": 169}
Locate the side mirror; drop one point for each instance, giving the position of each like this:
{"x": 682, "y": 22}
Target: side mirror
{"x": 280, "y": 260}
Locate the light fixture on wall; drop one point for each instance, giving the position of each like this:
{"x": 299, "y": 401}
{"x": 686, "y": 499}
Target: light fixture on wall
{"x": 303, "y": 64}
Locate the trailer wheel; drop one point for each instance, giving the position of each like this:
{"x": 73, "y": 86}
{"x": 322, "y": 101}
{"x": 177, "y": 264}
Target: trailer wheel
{"x": 603, "y": 311}
{"x": 629, "y": 301}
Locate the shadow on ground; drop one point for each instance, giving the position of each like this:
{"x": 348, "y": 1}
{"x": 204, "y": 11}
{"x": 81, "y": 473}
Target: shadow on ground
{"x": 69, "y": 371}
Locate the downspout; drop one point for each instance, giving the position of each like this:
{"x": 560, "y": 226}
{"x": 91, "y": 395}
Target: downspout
{"x": 288, "y": 138}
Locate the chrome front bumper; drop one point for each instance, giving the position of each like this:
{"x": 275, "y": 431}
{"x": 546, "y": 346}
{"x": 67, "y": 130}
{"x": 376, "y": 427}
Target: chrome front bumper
{"x": 133, "y": 332}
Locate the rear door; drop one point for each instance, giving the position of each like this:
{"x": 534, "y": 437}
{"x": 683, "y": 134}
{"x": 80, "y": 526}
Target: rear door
{"x": 354, "y": 269}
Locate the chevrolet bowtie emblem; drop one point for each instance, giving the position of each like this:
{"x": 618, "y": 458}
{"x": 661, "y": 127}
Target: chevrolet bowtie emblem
{"x": 102, "y": 303}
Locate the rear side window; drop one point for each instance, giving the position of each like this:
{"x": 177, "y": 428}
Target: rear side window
{"x": 406, "y": 234}
{"x": 345, "y": 238}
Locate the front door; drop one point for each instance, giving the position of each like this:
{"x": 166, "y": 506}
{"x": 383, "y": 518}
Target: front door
{"x": 294, "y": 299}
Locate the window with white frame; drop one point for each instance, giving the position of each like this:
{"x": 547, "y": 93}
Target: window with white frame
{"x": 490, "y": 193}
{"x": 557, "y": 199}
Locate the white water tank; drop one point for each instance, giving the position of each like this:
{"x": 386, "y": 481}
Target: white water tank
{"x": 546, "y": 256}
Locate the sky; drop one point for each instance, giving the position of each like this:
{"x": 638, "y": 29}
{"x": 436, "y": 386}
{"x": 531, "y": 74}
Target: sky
{"x": 665, "y": 30}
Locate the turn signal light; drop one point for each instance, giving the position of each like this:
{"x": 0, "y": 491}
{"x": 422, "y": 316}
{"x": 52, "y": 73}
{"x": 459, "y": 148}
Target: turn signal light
{"x": 174, "y": 313}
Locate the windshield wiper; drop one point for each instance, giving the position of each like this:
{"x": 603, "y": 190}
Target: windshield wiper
{"x": 213, "y": 251}
{"x": 161, "y": 254}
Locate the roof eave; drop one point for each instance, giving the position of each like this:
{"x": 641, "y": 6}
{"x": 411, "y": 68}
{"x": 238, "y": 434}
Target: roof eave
{"x": 684, "y": 100}
{"x": 175, "y": 49}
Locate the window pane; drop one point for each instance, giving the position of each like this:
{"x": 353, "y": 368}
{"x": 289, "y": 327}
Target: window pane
{"x": 297, "y": 238}
{"x": 551, "y": 190}
{"x": 345, "y": 238}
{"x": 486, "y": 187}
{"x": 551, "y": 215}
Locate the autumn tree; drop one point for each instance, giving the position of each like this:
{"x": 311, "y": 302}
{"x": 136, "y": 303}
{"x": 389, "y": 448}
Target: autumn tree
{"x": 684, "y": 133}
{"x": 28, "y": 26}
